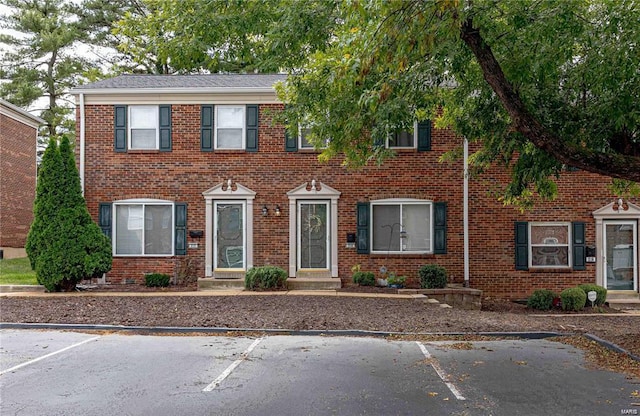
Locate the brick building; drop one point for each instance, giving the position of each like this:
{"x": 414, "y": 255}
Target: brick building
{"x": 18, "y": 141}
{"x": 195, "y": 167}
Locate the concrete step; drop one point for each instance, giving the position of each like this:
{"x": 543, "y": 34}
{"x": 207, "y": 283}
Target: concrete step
{"x": 622, "y": 294}
{"x": 624, "y": 303}
{"x": 220, "y": 284}
{"x": 318, "y": 283}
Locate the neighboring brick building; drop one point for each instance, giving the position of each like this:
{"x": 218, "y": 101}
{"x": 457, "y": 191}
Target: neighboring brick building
{"x": 18, "y": 140}
{"x": 194, "y": 167}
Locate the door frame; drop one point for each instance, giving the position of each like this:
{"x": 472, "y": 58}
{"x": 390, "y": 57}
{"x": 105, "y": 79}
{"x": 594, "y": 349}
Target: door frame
{"x": 327, "y": 226}
{"x": 634, "y": 223}
{"x": 214, "y": 231}
{"x": 313, "y": 191}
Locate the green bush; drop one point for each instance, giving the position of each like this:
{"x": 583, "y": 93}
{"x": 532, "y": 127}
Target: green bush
{"x": 600, "y": 291}
{"x": 573, "y": 299}
{"x": 364, "y": 278}
{"x": 156, "y": 280}
{"x": 541, "y": 299}
{"x": 265, "y": 278}
{"x": 433, "y": 276}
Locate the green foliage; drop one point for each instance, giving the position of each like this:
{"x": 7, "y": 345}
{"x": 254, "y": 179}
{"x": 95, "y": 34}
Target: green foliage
{"x": 17, "y": 272}
{"x": 364, "y": 278}
{"x": 265, "y": 278}
{"x": 573, "y": 299}
{"x": 156, "y": 280}
{"x": 64, "y": 244}
{"x": 541, "y": 299}
{"x": 600, "y": 291}
{"x": 432, "y": 276}
{"x": 394, "y": 280}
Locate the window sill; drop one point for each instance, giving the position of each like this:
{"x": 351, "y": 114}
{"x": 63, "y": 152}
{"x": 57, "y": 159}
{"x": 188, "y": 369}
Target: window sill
{"x": 142, "y": 151}
{"x": 401, "y": 255}
{"x": 550, "y": 270}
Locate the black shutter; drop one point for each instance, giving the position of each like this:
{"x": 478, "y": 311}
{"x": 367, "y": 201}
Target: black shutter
{"x": 424, "y": 136}
{"x": 440, "y": 228}
{"x": 181, "y": 229}
{"x": 120, "y": 128}
{"x": 206, "y": 128}
{"x": 362, "y": 227}
{"x": 579, "y": 246}
{"x": 252, "y": 128}
{"x": 522, "y": 245}
{"x": 165, "y": 128}
{"x": 104, "y": 218}
{"x": 290, "y": 141}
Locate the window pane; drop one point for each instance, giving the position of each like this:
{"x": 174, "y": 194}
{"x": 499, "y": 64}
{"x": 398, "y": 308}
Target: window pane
{"x": 549, "y": 234}
{"x": 401, "y": 139}
{"x": 549, "y": 256}
{"x": 230, "y": 138}
{"x": 386, "y": 227}
{"x": 415, "y": 222}
{"x": 304, "y": 138}
{"x": 230, "y": 117}
{"x": 143, "y": 117}
{"x": 158, "y": 232}
{"x": 143, "y": 138}
{"x": 129, "y": 229}
{"x": 229, "y": 236}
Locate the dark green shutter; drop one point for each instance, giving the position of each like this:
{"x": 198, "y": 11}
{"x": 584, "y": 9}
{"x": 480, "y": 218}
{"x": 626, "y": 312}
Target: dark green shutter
{"x": 362, "y": 237}
{"x": 181, "y": 229}
{"x": 579, "y": 246}
{"x": 440, "y": 228}
{"x": 120, "y": 128}
{"x": 165, "y": 128}
{"x": 252, "y": 128}
{"x": 206, "y": 128}
{"x": 290, "y": 141}
{"x": 424, "y": 136}
{"x": 104, "y": 218}
{"x": 522, "y": 245}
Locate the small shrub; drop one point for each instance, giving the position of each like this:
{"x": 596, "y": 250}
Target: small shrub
{"x": 364, "y": 278}
{"x": 600, "y": 291}
{"x": 433, "y": 276}
{"x": 541, "y": 299}
{"x": 265, "y": 278}
{"x": 397, "y": 281}
{"x": 573, "y": 299}
{"x": 156, "y": 280}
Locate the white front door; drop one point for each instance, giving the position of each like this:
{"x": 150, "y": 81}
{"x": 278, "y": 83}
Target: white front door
{"x": 313, "y": 235}
{"x": 229, "y": 235}
{"x": 620, "y": 254}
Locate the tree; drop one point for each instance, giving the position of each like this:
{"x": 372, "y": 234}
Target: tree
{"x": 64, "y": 245}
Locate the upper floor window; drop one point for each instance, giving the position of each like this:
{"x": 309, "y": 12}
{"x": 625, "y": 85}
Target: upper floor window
{"x": 401, "y": 226}
{"x": 305, "y": 140}
{"x": 230, "y": 125}
{"x": 143, "y": 127}
{"x": 403, "y": 139}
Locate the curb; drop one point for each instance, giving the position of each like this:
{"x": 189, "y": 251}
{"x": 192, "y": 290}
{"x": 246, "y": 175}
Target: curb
{"x": 611, "y": 346}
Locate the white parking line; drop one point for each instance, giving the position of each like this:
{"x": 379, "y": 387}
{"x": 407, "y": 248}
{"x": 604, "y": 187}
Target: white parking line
{"x": 215, "y": 383}
{"x": 47, "y": 356}
{"x": 443, "y": 376}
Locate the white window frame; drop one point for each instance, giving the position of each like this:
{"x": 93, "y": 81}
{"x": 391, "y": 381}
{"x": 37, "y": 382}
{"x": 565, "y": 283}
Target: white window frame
{"x": 216, "y": 118}
{"x": 131, "y": 127}
{"x": 144, "y": 203}
{"x": 415, "y": 139}
{"x": 550, "y": 244}
{"x": 302, "y": 127}
{"x": 401, "y": 202}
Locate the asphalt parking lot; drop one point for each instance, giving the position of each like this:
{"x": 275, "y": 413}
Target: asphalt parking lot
{"x": 45, "y": 372}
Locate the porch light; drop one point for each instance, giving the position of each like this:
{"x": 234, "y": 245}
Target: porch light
{"x": 265, "y": 211}
{"x": 277, "y": 211}
{"x": 620, "y": 204}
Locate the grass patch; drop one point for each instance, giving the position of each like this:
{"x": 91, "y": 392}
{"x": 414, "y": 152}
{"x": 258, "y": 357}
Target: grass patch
{"x": 17, "y": 272}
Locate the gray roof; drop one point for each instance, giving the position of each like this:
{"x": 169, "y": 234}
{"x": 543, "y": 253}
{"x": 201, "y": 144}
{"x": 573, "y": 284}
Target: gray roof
{"x": 184, "y": 82}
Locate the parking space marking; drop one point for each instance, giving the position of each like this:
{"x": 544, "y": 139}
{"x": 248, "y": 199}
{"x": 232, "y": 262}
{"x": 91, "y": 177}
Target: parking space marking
{"x": 215, "y": 383}
{"x": 443, "y": 376}
{"x": 35, "y": 360}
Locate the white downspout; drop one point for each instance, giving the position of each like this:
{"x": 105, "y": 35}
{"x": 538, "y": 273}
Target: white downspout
{"x": 81, "y": 169}
{"x": 465, "y": 203}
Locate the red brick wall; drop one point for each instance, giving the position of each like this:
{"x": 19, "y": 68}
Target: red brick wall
{"x": 18, "y": 183}
{"x": 184, "y": 173}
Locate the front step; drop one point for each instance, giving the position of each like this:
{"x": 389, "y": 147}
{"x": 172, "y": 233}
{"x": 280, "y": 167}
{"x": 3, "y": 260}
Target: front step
{"x": 220, "y": 284}
{"x": 316, "y": 283}
{"x": 626, "y": 299}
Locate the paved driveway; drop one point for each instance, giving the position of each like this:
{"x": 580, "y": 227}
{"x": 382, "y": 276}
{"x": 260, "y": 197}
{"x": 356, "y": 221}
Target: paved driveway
{"x": 70, "y": 373}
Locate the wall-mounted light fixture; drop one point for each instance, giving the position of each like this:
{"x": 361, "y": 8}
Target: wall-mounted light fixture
{"x": 265, "y": 211}
{"x": 277, "y": 211}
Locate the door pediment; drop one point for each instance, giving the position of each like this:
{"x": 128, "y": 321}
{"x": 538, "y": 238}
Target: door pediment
{"x": 608, "y": 211}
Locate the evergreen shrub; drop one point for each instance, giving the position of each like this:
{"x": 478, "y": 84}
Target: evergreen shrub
{"x": 541, "y": 299}
{"x": 265, "y": 278}
{"x": 432, "y": 276}
{"x": 573, "y": 299}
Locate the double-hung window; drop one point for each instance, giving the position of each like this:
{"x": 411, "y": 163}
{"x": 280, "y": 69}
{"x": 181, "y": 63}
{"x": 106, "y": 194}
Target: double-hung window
{"x": 549, "y": 244}
{"x": 305, "y": 139}
{"x": 143, "y": 127}
{"x": 403, "y": 139}
{"x": 401, "y": 226}
{"x": 230, "y": 127}
{"x": 143, "y": 228}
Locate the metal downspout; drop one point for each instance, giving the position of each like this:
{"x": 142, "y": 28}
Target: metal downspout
{"x": 465, "y": 204}
{"x": 81, "y": 169}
